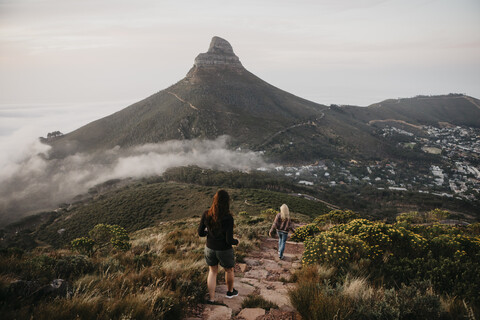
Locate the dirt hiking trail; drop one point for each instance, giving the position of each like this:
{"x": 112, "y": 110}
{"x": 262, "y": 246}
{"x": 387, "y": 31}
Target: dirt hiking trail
{"x": 262, "y": 273}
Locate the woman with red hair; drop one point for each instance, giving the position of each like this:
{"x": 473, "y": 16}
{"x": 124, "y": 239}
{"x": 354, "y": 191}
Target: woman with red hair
{"x": 217, "y": 225}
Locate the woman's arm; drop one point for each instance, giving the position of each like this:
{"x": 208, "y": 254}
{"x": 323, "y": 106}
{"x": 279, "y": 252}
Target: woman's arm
{"x": 274, "y": 224}
{"x": 202, "y": 228}
{"x": 229, "y": 234}
{"x": 290, "y": 225}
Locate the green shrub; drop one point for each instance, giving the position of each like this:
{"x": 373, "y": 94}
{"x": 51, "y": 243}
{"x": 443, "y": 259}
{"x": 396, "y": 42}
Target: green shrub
{"x": 335, "y": 248}
{"x": 383, "y": 239}
{"x": 474, "y": 229}
{"x": 103, "y": 237}
{"x": 255, "y": 220}
{"x": 336, "y": 217}
{"x": 417, "y": 301}
{"x": 83, "y": 245}
{"x": 393, "y": 254}
{"x": 257, "y": 301}
{"x": 313, "y": 302}
{"x": 72, "y": 266}
{"x": 304, "y": 232}
{"x": 269, "y": 214}
{"x": 423, "y": 217}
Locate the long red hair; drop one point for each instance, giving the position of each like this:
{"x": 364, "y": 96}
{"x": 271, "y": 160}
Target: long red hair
{"x": 220, "y": 208}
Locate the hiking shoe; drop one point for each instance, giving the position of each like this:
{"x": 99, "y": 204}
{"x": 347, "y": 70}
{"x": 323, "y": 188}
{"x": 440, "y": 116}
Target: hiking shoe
{"x": 281, "y": 258}
{"x": 231, "y": 294}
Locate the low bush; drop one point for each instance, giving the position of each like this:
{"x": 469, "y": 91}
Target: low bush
{"x": 304, "y": 232}
{"x": 336, "y": 217}
{"x": 396, "y": 254}
{"x": 313, "y": 302}
{"x": 257, "y": 301}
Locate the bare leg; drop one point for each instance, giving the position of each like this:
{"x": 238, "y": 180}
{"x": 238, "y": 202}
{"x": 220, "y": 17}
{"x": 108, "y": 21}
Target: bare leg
{"x": 212, "y": 281}
{"x": 229, "y": 276}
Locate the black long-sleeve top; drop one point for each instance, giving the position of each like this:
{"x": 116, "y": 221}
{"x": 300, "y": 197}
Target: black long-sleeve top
{"x": 220, "y": 238}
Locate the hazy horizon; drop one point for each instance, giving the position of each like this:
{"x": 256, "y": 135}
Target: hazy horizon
{"x": 64, "y": 64}
{"x": 342, "y": 52}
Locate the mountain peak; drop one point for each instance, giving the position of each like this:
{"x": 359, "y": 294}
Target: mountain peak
{"x": 219, "y": 54}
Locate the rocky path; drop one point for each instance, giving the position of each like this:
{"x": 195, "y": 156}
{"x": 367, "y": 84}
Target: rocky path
{"x": 181, "y": 100}
{"x": 262, "y": 273}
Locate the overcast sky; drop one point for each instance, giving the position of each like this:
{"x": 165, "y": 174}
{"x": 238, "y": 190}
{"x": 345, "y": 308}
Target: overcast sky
{"x": 66, "y": 62}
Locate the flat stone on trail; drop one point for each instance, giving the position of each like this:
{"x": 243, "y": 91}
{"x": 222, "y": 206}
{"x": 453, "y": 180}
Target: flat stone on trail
{"x": 214, "y": 312}
{"x": 274, "y": 291}
{"x": 235, "y": 303}
{"x": 272, "y": 266}
{"x": 252, "y": 262}
{"x": 279, "y": 296}
{"x": 256, "y": 274}
{"x": 251, "y": 313}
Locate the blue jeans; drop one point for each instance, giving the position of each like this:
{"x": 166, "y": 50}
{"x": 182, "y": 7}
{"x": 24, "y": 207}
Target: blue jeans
{"x": 282, "y": 238}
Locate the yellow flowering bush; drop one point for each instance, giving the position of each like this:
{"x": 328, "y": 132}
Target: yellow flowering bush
{"x": 336, "y": 248}
{"x": 451, "y": 244}
{"x": 360, "y": 239}
{"x": 448, "y": 257}
{"x": 304, "y": 232}
{"x": 384, "y": 239}
{"x": 336, "y": 217}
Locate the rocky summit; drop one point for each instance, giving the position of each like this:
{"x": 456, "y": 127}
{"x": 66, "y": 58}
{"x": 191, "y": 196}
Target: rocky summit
{"x": 220, "y": 53}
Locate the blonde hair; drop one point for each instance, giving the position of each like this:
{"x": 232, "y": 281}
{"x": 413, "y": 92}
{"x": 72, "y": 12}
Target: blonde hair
{"x": 284, "y": 212}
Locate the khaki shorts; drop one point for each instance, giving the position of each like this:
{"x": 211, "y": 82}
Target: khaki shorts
{"x": 224, "y": 257}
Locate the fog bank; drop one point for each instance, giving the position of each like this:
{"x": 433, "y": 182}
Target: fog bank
{"x": 31, "y": 183}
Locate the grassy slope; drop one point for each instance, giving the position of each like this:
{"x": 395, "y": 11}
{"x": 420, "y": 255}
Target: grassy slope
{"x": 142, "y": 204}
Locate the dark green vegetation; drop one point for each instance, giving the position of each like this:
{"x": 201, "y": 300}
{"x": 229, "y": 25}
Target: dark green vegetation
{"x": 363, "y": 269}
{"x": 146, "y": 202}
{"x": 387, "y": 204}
{"x": 103, "y": 237}
{"x": 186, "y": 191}
{"x": 257, "y": 301}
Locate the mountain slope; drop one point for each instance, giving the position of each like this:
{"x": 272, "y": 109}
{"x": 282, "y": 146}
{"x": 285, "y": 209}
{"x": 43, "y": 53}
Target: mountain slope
{"x": 216, "y": 97}
{"x": 219, "y": 96}
{"x": 455, "y": 109}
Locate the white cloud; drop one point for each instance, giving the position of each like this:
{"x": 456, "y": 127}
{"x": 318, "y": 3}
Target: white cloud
{"x": 31, "y": 183}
